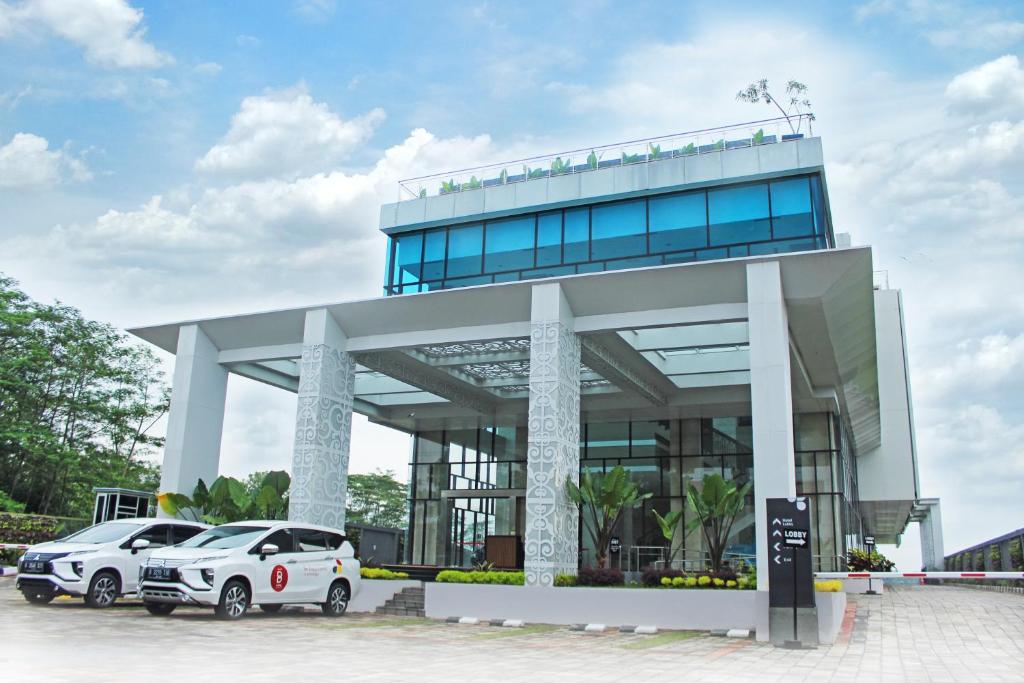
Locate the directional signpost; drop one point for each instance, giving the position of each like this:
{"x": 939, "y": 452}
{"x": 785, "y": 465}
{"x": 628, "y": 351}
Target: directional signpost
{"x": 790, "y": 579}
{"x": 869, "y": 543}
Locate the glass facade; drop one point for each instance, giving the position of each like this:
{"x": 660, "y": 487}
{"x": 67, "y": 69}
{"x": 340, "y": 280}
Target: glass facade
{"x": 468, "y": 484}
{"x": 721, "y": 222}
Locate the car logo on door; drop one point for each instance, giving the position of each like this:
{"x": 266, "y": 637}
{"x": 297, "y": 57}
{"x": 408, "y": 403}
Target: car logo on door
{"x": 278, "y": 578}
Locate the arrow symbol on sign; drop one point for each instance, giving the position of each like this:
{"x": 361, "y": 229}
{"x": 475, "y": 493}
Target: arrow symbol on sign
{"x": 777, "y": 522}
{"x": 776, "y": 533}
{"x": 776, "y": 546}
{"x": 777, "y": 560}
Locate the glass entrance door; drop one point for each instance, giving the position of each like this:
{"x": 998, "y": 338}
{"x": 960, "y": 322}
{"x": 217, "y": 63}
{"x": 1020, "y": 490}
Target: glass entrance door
{"x": 472, "y": 518}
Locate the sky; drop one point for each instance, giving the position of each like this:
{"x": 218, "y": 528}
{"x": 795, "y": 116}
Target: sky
{"x": 170, "y": 160}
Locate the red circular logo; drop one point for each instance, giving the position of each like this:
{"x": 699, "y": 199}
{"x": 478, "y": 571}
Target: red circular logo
{"x": 278, "y": 578}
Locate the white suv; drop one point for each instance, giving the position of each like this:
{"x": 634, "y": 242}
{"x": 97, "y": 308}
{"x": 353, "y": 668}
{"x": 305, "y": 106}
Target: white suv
{"x": 99, "y": 563}
{"x": 272, "y": 563}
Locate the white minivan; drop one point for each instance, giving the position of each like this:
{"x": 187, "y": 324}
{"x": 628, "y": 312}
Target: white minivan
{"x": 236, "y": 565}
{"x": 99, "y": 563}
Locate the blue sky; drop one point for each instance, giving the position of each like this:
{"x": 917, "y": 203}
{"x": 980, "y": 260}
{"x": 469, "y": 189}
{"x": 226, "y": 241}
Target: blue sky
{"x": 154, "y": 152}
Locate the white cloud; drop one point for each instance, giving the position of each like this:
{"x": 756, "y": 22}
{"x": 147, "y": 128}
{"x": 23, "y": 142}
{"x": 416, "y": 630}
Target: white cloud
{"x": 27, "y": 162}
{"x": 315, "y": 10}
{"x": 993, "y": 35}
{"x": 243, "y": 40}
{"x": 284, "y": 133}
{"x": 992, "y": 87}
{"x": 110, "y": 32}
{"x": 978, "y": 366}
{"x": 210, "y": 69}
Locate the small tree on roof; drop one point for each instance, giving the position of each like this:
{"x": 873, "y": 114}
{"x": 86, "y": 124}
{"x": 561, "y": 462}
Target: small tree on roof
{"x": 795, "y": 92}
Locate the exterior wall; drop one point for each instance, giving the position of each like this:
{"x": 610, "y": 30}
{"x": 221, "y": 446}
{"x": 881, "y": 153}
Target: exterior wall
{"x": 715, "y": 168}
{"x": 373, "y": 593}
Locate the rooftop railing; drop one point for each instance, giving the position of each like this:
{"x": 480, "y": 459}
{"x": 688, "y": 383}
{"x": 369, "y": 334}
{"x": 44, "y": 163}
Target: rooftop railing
{"x": 647, "y": 150}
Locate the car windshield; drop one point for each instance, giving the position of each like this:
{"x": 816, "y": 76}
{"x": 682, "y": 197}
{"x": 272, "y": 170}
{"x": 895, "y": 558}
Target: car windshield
{"x": 223, "y": 537}
{"x": 102, "y": 533}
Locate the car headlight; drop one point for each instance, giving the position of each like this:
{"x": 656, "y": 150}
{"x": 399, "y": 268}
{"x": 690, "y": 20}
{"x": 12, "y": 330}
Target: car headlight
{"x": 76, "y": 567}
{"x": 207, "y": 575}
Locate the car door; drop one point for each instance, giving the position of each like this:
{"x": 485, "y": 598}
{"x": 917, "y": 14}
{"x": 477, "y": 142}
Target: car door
{"x": 317, "y": 564}
{"x": 158, "y": 536}
{"x": 274, "y": 576}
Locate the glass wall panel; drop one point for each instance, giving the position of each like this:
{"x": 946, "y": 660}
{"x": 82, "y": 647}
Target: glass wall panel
{"x": 791, "y": 208}
{"x": 678, "y": 222}
{"x": 607, "y": 440}
{"x": 408, "y": 257}
{"x": 465, "y": 250}
{"x": 651, "y": 439}
{"x": 509, "y": 244}
{"x": 433, "y": 255}
{"x": 618, "y": 230}
{"x": 739, "y": 214}
{"x": 577, "y": 235}
{"x": 549, "y": 239}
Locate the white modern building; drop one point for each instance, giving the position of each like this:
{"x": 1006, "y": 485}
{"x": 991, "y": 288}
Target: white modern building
{"x": 678, "y": 306}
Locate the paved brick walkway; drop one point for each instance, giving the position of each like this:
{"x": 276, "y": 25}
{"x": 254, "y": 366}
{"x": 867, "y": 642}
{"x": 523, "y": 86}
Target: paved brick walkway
{"x": 911, "y": 633}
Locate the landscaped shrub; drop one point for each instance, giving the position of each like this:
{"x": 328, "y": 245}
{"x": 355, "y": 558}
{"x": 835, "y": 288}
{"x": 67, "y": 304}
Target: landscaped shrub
{"x": 385, "y": 574}
{"x": 719, "y": 580}
{"x": 600, "y": 576}
{"x": 864, "y": 561}
{"x": 32, "y": 529}
{"x": 565, "y": 580}
{"x": 494, "y": 578}
{"x": 652, "y": 577}
{"x": 835, "y": 586}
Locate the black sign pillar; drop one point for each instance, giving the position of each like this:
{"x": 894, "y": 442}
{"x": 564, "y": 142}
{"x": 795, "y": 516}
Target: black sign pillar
{"x": 790, "y": 576}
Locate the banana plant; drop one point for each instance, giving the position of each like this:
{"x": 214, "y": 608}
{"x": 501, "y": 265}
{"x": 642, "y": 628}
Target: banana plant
{"x": 655, "y": 151}
{"x": 591, "y": 160}
{"x": 559, "y": 167}
{"x": 630, "y": 158}
{"x": 759, "y": 136}
{"x": 715, "y": 507}
{"x": 448, "y": 186}
{"x": 605, "y": 497}
{"x": 533, "y": 173}
{"x": 669, "y": 524}
{"x": 472, "y": 184}
{"x": 690, "y": 149}
{"x": 228, "y": 500}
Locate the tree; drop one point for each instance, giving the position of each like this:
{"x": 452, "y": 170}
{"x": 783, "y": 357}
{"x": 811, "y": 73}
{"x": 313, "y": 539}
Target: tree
{"x": 77, "y": 406}
{"x": 715, "y": 507}
{"x": 795, "y": 91}
{"x": 376, "y": 499}
{"x": 606, "y": 497}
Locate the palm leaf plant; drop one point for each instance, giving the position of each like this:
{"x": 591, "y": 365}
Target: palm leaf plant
{"x": 655, "y": 151}
{"x": 715, "y": 507}
{"x": 605, "y": 497}
{"x": 472, "y": 184}
{"x": 558, "y": 167}
{"x": 592, "y": 160}
{"x": 669, "y": 524}
{"x": 228, "y": 500}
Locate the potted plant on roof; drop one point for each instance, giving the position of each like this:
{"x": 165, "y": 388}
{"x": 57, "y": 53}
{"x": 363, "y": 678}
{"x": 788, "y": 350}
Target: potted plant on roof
{"x": 559, "y": 167}
{"x": 472, "y": 184}
{"x": 591, "y": 161}
{"x": 799, "y": 106}
{"x": 448, "y": 186}
{"x": 655, "y": 151}
{"x": 503, "y": 176}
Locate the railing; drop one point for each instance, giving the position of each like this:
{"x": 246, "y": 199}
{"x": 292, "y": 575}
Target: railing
{"x": 692, "y": 143}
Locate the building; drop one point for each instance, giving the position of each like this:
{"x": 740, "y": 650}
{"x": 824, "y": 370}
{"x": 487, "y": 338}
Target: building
{"x": 679, "y": 305}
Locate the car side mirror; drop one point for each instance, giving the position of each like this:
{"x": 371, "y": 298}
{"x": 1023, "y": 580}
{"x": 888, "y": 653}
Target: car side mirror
{"x": 268, "y": 549}
{"x": 139, "y": 544}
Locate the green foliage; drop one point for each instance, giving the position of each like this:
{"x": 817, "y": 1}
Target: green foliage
{"x": 758, "y": 137}
{"x": 630, "y": 158}
{"x": 559, "y": 167}
{"x": 8, "y": 504}
{"x": 503, "y": 176}
{"x": 382, "y": 574}
{"x": 472, "y": 184}
{"x": 230, "y": 500}
{"x": 715, "y": 507}
{"x": 376, "y": 499}
{"x": 592, "y": 160}
{"x": 77, "y": 404}
{"x": 533, "y": 173}
{"x": 669, "y": 525}
{"x": 864, "y": 561}
{"x": 605, "y": 497}
{"x": 655, "y": 150}
{"x": 689, "y": 149}
{"x": 423, "y": 192}
{"x": 493, "y": 578}
{"x": 565, "y": 580}
{"x": 720, "y": 145}
{"x": 448, "y": 186}
{"x": 797, "y": 104}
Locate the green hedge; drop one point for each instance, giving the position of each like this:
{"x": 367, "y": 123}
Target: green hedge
{"x": 496, "y": 578}
{"x": 385, "y": 574}
{"x": 32, "y": 529}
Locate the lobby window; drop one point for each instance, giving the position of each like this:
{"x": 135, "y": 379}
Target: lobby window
{"x": 618, "y": 230}
{"x": 791, "y": 208}
{"x": 465, "y": 249}
{"x": 509, "y": 245}
{"x": 678, "y": 222}
{"x": 739, "y": 214}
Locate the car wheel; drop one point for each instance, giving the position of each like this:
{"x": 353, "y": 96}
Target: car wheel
{"x": 159, "y": 609}
{"x": 271, "y": 609}
{"x": 103, "y": 590}
{"x": 337, "y": 600}
{"x": 234, "y": 600}
{"x": 40, "y": 596}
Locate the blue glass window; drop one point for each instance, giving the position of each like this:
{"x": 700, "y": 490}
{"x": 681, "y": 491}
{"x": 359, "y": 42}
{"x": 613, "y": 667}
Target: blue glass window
{"x": 391, "y": 279}
{"x": 408, "y": 256}
{"x": 577, "y": 235}
{"x": 678, "y": 222}
{"x": 791, "y": 208}
{"x": 433, "y": 255}
{"x": 739, "y": 214}
{"x": 618, "y": 230}
{"x": 465, "y": 250}
{"x": 509, "y": 245}
{"x": 549, "y": 239}
{"x": 819, "y": 206}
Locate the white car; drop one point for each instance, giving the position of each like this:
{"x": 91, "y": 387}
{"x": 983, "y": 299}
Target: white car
{"x": 236, "y": 565}
{"x": 99, "y": 563}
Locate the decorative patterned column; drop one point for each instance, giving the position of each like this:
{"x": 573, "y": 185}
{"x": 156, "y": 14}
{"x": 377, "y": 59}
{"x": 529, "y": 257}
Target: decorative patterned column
{"x": 553, "y": 450}
{"x": 323, "y": 425}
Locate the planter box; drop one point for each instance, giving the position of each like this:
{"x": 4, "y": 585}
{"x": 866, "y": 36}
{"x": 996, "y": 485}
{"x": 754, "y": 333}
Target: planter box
{"x": 373, "y": 593}
{"x": 831, "y": 609}
{"x": 691, "y": 609}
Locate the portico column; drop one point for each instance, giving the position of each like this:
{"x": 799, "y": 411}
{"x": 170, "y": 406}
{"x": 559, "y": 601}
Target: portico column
{"x": 323, "y": 424}
{"x": 553, "y": 448}
{"x": 771, "y": 399}
{"x": 195, "y": 421}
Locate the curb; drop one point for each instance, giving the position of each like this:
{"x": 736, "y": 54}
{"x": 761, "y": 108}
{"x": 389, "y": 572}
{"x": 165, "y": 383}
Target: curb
{"x": 8, "y": 571}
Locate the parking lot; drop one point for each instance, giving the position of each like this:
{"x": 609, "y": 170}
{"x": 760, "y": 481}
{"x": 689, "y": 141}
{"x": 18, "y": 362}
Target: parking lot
{"x": 911, "y": 633}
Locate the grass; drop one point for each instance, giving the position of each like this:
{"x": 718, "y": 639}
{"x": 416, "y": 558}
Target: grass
{"x": 509, "y": 632}
{"x": 666, "y": 638}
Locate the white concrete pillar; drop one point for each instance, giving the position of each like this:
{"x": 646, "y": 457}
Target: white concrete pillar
{"x": 553, "y": 448}
{"x": 930, "y": 528}
{"x": 323, "y": 424}
{"x": 195, "y": 421}
{"x": 771, "y": 399}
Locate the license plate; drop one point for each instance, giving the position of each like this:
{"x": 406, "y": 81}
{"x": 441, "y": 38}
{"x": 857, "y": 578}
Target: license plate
{"x": 34, "y": 567}
{"x": 159, "y": 573}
